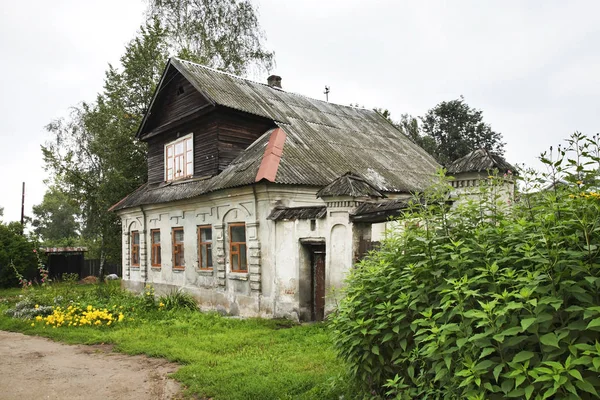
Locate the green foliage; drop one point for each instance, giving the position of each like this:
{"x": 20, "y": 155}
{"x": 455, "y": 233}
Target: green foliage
{"x": 483, "y": 300}
{"x": 452, "y": 129}
{"x": 94, "y": 157}
{"x": 178, "y": 300}
{"x": 18, "y": 251}
{"x": 54, "y": 218}
{"x": 448, "y": 131}
{"x": 221, "y": 358}
{"x": 223, "y": 34}
{"x": 70, "y": 278}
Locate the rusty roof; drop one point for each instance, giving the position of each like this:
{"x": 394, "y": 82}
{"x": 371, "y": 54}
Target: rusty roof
{"x": 323, "y": 141}
{"x": 479, "y": 160}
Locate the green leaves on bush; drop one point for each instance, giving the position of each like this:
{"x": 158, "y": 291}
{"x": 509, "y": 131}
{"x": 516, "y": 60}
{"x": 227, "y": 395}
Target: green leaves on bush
{"x": 178, "y": 300}
{"x": 485, "y": 301}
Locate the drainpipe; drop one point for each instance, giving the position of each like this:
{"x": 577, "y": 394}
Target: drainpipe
{"x": 145, "y": 247}
{"x": 256, "y": 220}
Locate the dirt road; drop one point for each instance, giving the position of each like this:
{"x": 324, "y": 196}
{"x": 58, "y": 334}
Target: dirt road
{"x": 37, "y": 368}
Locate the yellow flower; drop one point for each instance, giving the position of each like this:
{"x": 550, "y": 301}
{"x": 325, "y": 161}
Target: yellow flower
{"x": 37, "y": 306}
{"x": 39, "y": 318}
{"x": 580, "y": 182}
{"x": 161, "y": 304}
{"x": 32, "y": 324}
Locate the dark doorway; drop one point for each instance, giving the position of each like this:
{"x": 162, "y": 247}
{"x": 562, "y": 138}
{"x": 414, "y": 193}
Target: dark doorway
{"x": 318, "y": 282}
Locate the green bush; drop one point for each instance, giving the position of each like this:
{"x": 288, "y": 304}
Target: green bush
{"x": 484, "y": 301}
{"x": 18, "y": 250}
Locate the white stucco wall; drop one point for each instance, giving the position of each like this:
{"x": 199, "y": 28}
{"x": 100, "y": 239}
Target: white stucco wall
{"x": 277, "y": 264}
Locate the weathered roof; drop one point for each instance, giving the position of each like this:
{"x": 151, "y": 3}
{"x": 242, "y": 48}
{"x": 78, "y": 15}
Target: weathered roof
{"x": 351, "y": 185}
{"x": 479, "y": 160}
{"x": 294, "y": 213}
{"x": 380, "y": 211}
{"x": 61, "y": 250}
{"x": 322, "y": 141}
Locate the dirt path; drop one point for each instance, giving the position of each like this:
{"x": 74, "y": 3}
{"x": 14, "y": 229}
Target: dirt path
{"x": 37, "y": 368}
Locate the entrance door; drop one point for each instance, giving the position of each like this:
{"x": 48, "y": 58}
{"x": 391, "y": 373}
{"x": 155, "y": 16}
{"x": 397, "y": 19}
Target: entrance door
{"x": 318, "y": 283}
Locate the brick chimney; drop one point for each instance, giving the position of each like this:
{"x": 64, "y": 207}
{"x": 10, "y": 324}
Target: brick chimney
{"x": 274, "y": 81}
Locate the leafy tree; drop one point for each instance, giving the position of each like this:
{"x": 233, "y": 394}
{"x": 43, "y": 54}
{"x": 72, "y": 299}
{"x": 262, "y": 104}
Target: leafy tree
{"x": 484, "y": 301}
{"x": 223, "y": 34}
{"x": 94, "y": 156}
{"x": 55, "y": 217}
{"x": 452, "y": 129}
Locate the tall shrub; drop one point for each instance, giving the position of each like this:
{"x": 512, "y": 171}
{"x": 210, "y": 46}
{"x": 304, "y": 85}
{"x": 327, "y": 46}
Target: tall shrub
{"x": 16, "y": 252}
{"x": 485, "y": 301}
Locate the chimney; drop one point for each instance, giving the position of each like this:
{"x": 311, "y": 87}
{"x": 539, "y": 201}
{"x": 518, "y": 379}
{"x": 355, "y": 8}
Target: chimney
{"x": 274, "y": 81}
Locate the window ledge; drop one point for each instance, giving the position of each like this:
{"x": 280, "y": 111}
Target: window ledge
{"x": 239, "y": 276}
{"x": 207, "y": 272}
{"x": 136, "y": 268}
{"x": 178, "y": 269}
{"x": 155, "y": 268}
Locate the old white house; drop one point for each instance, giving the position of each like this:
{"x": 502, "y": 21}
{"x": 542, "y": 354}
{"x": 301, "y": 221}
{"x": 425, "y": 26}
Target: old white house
{"x": 258, "y": 201}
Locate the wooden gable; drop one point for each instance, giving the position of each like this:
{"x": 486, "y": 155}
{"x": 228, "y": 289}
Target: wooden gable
{"x": 178, "y": 109}
{"x": 176, "y": 101}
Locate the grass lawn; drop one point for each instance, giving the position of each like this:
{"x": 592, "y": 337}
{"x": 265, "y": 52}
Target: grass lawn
{"x": 221, "y": 357}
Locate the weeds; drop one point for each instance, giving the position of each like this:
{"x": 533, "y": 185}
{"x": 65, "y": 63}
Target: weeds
{"x": 178, "y": 300}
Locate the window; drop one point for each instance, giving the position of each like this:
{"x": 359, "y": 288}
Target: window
{"x": 178, "y": 259}
{"x": 155, "y": 255}
{"x": 237, "y": 247}
{"x": 135, "y": 249}
{"x": 205, "y": 247}
{"x": 179, "y": 158}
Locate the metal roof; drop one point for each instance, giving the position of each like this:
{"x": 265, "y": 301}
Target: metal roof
{"x": 323, "y": 142}
{"x": 479, "y": 160}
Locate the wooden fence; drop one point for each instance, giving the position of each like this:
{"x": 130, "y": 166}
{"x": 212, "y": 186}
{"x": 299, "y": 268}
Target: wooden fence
{"x": 92, "y": 267}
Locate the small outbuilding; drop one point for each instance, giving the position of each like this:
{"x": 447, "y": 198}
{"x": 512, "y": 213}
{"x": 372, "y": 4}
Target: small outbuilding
{"x": 65, "y": 260}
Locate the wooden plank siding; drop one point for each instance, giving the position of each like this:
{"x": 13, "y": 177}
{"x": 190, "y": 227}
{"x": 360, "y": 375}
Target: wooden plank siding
{"x": 237, "y": 131}
{"x": 176, "y": 99}
{"x": 220, "y": 133}
{"x": 205, "y": 148}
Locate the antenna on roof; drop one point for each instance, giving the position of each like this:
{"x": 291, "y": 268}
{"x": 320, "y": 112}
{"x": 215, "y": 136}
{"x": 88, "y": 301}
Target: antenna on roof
{"x": 326, "y": 92}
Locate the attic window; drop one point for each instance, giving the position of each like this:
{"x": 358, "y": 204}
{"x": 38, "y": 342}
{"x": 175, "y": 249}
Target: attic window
{"x": 180, "y": 90}
{"x": 179, "y": 158}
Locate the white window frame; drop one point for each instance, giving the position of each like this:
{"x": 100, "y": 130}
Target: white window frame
{"x": 187, "y": 163}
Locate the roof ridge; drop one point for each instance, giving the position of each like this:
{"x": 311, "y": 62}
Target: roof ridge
{"x": 266, "y": 85}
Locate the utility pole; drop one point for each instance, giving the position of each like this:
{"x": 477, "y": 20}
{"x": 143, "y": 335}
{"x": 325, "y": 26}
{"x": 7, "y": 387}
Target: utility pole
{"x": 326, "y": 92}
{"x": 23, "y": 210}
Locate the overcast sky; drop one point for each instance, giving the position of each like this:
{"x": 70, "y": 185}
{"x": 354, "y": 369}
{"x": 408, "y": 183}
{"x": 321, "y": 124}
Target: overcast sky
{"x": 533, "y": 67}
